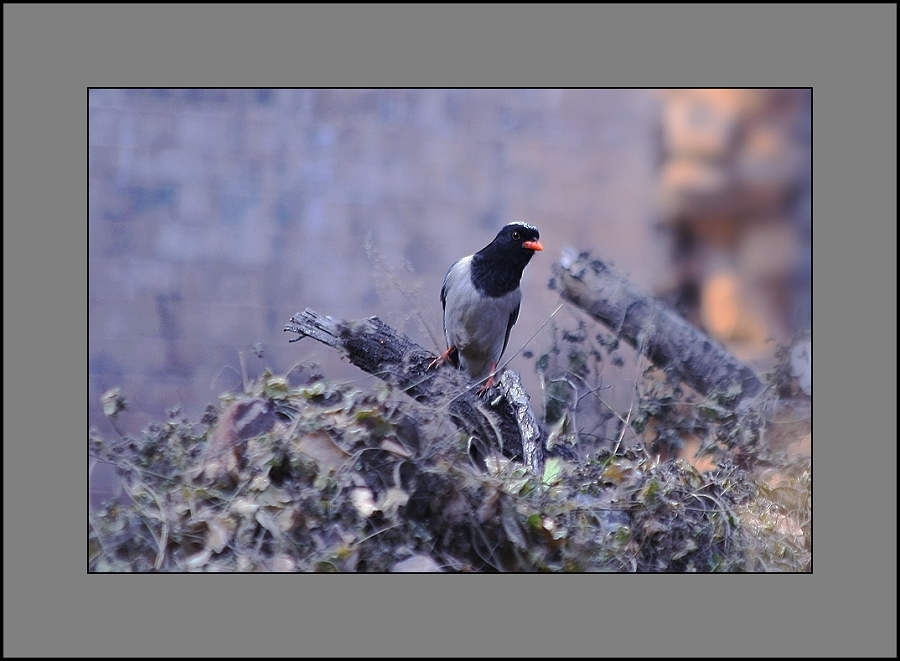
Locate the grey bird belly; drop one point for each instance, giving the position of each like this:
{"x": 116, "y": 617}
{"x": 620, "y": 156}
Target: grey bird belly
{"x": 476, "y": 325}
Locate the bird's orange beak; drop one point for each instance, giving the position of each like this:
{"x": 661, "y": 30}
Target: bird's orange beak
{"x": 533, "y": 245}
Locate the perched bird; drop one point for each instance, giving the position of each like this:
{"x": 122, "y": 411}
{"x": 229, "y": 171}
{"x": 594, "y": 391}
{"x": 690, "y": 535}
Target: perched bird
{"x": 481, "y": 298}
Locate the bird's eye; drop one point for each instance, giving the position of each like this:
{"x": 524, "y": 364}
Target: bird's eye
{"x": 516, "y": 235}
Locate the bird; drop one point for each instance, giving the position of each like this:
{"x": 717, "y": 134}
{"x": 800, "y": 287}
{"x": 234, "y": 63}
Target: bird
{"x": 481, "y": 298}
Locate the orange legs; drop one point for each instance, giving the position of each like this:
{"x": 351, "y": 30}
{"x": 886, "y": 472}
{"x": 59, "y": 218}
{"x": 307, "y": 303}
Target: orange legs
{"x": 449, "y": 356}
{"x": 487, "y": 385}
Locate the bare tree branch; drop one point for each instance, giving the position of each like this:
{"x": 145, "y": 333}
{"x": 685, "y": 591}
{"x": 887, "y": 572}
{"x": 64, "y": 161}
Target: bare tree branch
{"x": 655, "y": 330}
{"x": 378, "y": 349}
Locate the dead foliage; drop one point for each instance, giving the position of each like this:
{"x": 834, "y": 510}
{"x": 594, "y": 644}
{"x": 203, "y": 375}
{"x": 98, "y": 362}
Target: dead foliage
{"x": 324, "y": 477}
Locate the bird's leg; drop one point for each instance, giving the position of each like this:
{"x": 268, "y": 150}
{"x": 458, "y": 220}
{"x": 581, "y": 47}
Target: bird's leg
{"x": 447, "y": 357}
{"x": 487, "y": 385}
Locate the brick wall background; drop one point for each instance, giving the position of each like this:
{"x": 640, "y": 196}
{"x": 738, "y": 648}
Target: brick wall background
{"x": 216, "y": 214}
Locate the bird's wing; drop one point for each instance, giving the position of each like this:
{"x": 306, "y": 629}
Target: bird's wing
{"x": 513, "y": 317}
{"x": 454, "y": 354}
{"x": 444, "y": 297}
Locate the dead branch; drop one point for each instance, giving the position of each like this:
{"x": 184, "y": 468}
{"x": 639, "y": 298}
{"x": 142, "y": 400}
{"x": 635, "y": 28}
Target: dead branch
{"x": 378, "y": 349}
{"x": 655, "y": 330}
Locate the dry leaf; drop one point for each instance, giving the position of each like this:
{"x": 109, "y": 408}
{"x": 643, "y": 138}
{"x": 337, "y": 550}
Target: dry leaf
{"x": 199, "y": 559}
{"x": 488, "y": 508}
{"x": 363, "y": 500}
{"x": 395, "y": 448}
{"x": 394, "y": 498}
{"x": 219, "y": 533}
{"x": 322, "y": 450}
{"x": 288, "y": 519}
{"x": 267, "y": 522}
{"x": 283, "y": 563}
{"x": 242, "y": 420}
{"x": 244, "y": 506}
{"x": 259, "y": 483}
{"x": 417, "y": 564}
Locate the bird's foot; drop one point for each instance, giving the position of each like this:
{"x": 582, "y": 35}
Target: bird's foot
{"x": 443, "y": 359}
{"x": 485, "y": 387}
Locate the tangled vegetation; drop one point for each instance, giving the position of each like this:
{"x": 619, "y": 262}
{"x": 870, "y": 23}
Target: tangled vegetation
{"x": 313, "y": 475}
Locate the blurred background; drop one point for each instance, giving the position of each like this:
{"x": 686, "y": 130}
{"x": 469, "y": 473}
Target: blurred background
{"x": 214, "y": 215}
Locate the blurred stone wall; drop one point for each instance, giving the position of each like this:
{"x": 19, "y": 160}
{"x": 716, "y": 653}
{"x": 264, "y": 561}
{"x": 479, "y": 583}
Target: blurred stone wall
{"x": 216, "y": 214}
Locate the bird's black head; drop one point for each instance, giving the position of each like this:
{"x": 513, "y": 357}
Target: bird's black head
{"x": 497, "y": 268}
{"x": 518, "y": 237}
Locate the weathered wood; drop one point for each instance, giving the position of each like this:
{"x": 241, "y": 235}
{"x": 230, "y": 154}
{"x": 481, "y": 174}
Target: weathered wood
{"x": 655, "y": 330}
{"x": 378, "y": 349}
